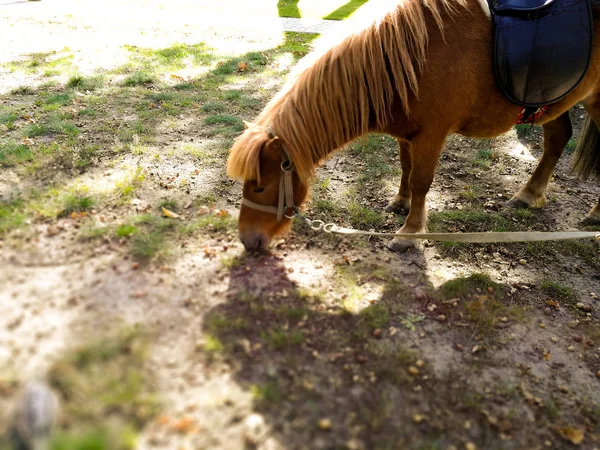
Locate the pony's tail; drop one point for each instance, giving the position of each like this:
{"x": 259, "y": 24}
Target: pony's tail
{"x": 587, "y": 152}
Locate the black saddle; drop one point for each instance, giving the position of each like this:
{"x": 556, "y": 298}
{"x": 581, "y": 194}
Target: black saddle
{"x": 542, "y": 48}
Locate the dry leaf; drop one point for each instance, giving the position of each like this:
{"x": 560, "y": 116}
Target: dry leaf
{"x": 242, "y": 67}
{"x": 186, "y": 425}
{"x": 27, "y": 141}
{"x": 176, "y": 77}
{"x": 170, "y": 214}
{"x": 575, "y": 435}
{"x": 553, "y": 303}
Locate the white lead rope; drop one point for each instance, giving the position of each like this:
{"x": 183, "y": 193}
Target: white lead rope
{"x": 486, "y": 237}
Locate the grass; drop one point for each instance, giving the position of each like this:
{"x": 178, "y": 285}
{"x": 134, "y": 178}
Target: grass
{"x": 13, "y": 154}
{"x": 150, "y": 242}
{"x": 483, "y": 158}
{"x": 462, "y": 286}
{"x": 76, "y": 203}
{"x": 118, "y": 401}
{"x": 85, "y": 83}
{"x": 140, "y": 78}
{"x": 281, "y": 339}
{"x": 10, "y": 216}
{"x": 557, "y": 290}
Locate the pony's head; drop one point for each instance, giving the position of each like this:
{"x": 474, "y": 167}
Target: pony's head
{"x": 272, "y": 186}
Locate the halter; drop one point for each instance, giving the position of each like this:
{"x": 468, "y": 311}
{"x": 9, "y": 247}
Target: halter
{"x": 286, "y": 189}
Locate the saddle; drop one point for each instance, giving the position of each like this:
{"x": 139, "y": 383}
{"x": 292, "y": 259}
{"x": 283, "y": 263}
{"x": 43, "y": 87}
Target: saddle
{"x": 542, "y": 48}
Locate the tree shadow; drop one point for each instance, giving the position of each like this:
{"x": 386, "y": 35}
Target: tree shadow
{"x": 407, "y": 369}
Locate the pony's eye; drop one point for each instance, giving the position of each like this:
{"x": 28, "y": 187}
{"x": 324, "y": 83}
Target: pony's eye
{"x": 258, "y": 190}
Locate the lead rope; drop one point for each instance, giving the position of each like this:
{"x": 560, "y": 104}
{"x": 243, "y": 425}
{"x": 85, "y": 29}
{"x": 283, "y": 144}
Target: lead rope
{"x": 481, "y": 238}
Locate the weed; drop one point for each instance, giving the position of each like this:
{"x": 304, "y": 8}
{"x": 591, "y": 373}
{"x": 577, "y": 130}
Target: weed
{"x": 84, "y": 83}
{"x": 140, "y": 78}
{"x": 109, "y": 375}
{"x": 373, "y": 317}
{"x": 267, "y": 393}
{"x": 126, "y": 230}
{"x": 557, "y": 291}
{"x": 280, "y": 339}
{"x": 461, "y": 287}
{"x": 363, "y": 217}
{"x": 10, "y": 217}
{"x": 212, "y": 107}
{"x": 169, "y": 204}
{"x": 76, "y": 203}
{"x": 12, "y": 154}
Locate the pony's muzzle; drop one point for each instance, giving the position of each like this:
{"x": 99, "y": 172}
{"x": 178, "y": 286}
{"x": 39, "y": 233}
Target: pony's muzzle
{"x": 254, "y": 241}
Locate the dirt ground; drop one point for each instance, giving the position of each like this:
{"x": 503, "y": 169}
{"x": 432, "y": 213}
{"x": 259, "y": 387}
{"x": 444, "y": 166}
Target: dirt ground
{"x": 162, "y": 333}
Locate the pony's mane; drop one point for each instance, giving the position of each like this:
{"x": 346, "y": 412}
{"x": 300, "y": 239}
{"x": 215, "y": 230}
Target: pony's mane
{"x": 329, "y": 102}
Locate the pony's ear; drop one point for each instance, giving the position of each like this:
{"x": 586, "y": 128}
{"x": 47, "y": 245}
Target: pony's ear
{"x": 272, "y": 149}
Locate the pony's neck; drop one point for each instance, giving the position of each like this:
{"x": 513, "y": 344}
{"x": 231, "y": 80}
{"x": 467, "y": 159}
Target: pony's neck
{"x": 348, "y": 91}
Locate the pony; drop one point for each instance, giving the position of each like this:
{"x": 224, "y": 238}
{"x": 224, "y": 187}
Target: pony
{"x": 420, "y": 72}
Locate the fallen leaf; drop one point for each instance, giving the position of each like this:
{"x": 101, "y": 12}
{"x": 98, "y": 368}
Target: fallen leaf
{"x": 176, "y": 77}
{"x": 575, "y": 435}
{"x": 242, "y": 67}
{"x": 553, "y": 303}
{"x": 186, "y": 425}
{"x": 27, "y": 141}
{"x": 170, "y": 214}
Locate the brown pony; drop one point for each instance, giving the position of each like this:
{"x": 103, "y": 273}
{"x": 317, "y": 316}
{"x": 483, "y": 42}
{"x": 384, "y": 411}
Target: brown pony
{"x": 419, "y": 73}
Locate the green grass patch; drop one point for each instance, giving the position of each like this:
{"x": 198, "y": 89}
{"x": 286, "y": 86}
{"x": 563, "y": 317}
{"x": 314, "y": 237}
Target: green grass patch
{"x": 463, "y": 286}
{"x": 105, "y": 394}
{"x": 170, "y": 58}
{"x": 140, "y": 78}
{"x": 13, "y": 153}
{"x": 268, "y": 393}
{"x": 10, "y": 215}
{"x": 150, "y": 242}
{"x": 55, "y": 125}
{"x": 483, "y": 158}
{"x": 557, "y": 291}
{"x": 280, "y": 339}
{"x": 345, "y": 10}
{"x": 126, "y": 230}
{"x": 365, "y": 218}
{"x": 224, "y": 119}
{"x": 76, "y": 203}
{"x": 84, "y": 83}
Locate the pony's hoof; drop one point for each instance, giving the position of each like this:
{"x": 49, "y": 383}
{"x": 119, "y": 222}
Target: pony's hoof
{"x": 517, "y": 203}
{"x": 401, "y": 245}
{"x": 397, "y": 208}
{"x": 590, "y": 221}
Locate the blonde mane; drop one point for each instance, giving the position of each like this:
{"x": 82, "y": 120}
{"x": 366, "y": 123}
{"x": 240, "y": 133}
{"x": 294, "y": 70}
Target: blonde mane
{"x": 330, "y": 102}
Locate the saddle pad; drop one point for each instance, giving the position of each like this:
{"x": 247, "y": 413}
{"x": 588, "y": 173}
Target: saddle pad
{"x": 540, "y": 56}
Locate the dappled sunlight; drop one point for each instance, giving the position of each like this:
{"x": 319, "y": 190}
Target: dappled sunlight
{"x": 519, "y": 151}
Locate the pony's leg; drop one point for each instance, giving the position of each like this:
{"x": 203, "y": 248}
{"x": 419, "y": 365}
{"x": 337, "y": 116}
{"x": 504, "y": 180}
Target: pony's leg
{"x": 401, "y": 202}
{"x": 556, "y": 135}
{"x": 425, "y": 152}
{"x": 593, "y": 217}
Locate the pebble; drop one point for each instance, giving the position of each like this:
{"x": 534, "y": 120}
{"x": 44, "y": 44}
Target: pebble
{"x": 571, "y": 348}
{"x": 554, "y": 339}
{"x": 204, "y": 210}
{"x": 522, "y": 262}
{"x": 470, "y": 446}
{"x": 577, "y": 338}
{"x": 420, "y": 363}
{"x": 587, "y": 308}
{"x": 542, "y": 325}
{"x": 325, "y": 424}
{"x": 418, "y": 418}
{"x": 579, "y": 305}
{"x": 563, "y": 389}
{"x": 254, "y": 427}
{"x": 377, "y": 333}
{"x": 413, "y": 371}
{"x": 441, "y": 318}
{"x": 598, "y": 374}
